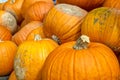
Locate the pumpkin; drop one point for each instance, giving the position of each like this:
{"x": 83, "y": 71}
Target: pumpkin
{"x": 102, "y": 25}
{"x": 85, "y": 4}
{"x": 21, "y": 35}
{"x": 8, "y": 50}
{"x": 28, "y": 3}
{"x": 112, "y": 4}
{"x": 5, "y": 34}
{"x": 30, "y": 58}
{"x": 38, "y": 10}
{"x": 81, "y": 60}
{"x": 8, "y": 20}
{"x": 14, "y": 7}
{"x": 37, "y": 31}
{"x": 62, "y": 23}
{"x": 12, "y": 76}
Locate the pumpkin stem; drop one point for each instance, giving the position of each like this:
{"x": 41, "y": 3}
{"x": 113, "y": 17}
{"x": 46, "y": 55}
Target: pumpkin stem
{"x": 37, "y": 37}
{"x": 12, "y": 1}
{"x": 82, "y": 42}
{"x": 55, "y": 38}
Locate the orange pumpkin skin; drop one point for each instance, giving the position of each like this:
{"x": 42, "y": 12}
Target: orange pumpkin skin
{"x": 112, "y": 3}
{"x": 103, "y": 26}
{"x": 30, "y": 58}
{"x": 28, "y": 3}
{"x": 85, "y": 4}
{"x": 12, "y": 76}
{"x": 5, "y": 34}
{"x": 8, "y": 20}
{"x": 63, "y": 21}
{"x": 22, "y": 34}
{"x": 37, "y": 11}
{"x": 14, "y": 7}
{"x": 97, "y": 62}
{"x": 37, "y": 31}
{"x": 8, "y": 50}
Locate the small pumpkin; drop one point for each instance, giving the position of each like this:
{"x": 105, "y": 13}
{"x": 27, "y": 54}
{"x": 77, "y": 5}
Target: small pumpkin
{"x": 12, "y": 76}
{"x": 8, "y": 20}
{"x": 14, "y": 7}
{"x": 62, "y": 23}
{"x": 30, "y": 58}
{"x": 81, "y": 60}
{"x": 22, "y": 34}
{"x": 5, "y": 34}
{"x": 102, "y": 25}
{"x": 37, "y": 11}
{"x": 8, "y": 50}
{"x": 85, "y": 4}
{"x": 112, "y": 4}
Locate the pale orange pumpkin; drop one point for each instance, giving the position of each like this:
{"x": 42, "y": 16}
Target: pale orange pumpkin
{"x": 14, "y": 7}
{"x": 8, "y": 20}
{"x": 5, "y": 34}
{"x": 37, "y": 31}
{"x": 8, "y": 50}
{"x": 103, "y": 25}
{"x": 112, "y": 4}
{"x": 62, "y": 23}
{"x": 28, "y": 3}
{"x": 22, "y": 34}
{"x": 12, "y": 76}
{"x": 81, "y": 60}
{"x": 37, "y": 11}
{"x": 30, "y": 58}
{"x": 85, "y": 4}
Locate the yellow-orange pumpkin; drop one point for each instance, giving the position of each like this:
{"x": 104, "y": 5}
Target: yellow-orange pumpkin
{"x": 81, "y": 61}
{"x": 8, "y": 50}
{"x": 62, "y": 23}
{"x": 12, "y": 76}
{"x": 103, "y": 25}
{"x": 30, "y": 58}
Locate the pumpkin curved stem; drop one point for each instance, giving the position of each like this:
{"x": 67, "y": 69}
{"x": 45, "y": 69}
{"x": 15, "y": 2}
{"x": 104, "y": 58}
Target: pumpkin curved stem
{"x": 82, "y": 42}
{"x": 37, "y": 37}
{"x": 56, "y": 39}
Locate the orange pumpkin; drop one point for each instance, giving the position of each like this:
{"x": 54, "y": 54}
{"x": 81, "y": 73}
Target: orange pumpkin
{"x": 8, "y": 20}
{"x": 8, "y": 50}
{"x": 5, "y": 34}
{"x": 30, "y": 58}
{"x": 85, "y": 4}
{"x": 22, "y": 34}
{"x": 12, "y": 76}
{"x": 37, "y": 11}
{"x": 81, "y": 60}
{"x": 62, "y": 23}
{"x": 14, "y": 7}
{"x": 33, "y": 33}
{"x": 112, "y": 3}
{"x": 102, "y": 25}
{"x": 28, "y": 3}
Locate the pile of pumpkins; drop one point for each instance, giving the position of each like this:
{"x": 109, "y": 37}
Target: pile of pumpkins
{"x": 60, "y": 40}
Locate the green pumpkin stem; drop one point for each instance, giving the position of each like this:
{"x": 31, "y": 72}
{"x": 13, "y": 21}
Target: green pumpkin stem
{"x": 56, "y": 39}
{"x": 81, "y": 43}
{"x": 37, "y": 37}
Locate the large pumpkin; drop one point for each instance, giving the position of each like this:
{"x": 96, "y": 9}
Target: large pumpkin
{"x": 14, "y": 7}
{"x": 62, "y": 23}
{"x": 30, "y": 58}
{"x": 8, "y": 50}
{"x": 38, "y": 10}
{"x": 112, "y": 3}
{"x": 103, "y": 25}
{"x": 81, "y": 61}
{"x": 85, "y": 4}
{"x": 8, "y": 20}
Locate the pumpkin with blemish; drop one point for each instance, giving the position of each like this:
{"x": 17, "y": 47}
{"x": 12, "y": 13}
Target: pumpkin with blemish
{"x": 81, "y": 60}
{"x": 30, "y": 58}
{"x": 62, "y": 23}
{"x": 103, "y": 25}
